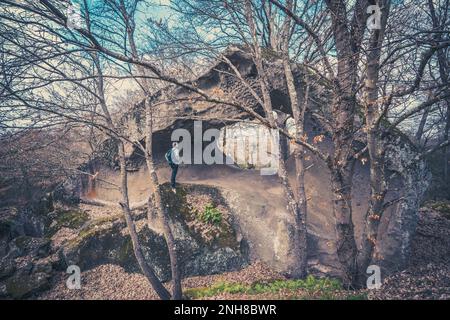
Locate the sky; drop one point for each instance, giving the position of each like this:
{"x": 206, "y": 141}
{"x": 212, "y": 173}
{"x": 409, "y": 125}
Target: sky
{"x": 159, "y": 10}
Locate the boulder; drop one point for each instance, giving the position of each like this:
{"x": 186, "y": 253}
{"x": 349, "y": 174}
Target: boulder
{"x": 25, "y": 266}
{"x": 7, "y": 267}
{"x": 11, "y": 225}
{"x": 107, "y": 241}
{"x": 25, "y": 245}
{"x": 411, "y": 173}
{"x": 23, "y": 277}
{"x": 411, "y": 177}
{"x": 23, "y": 284}
{"x": 408, "y": 186}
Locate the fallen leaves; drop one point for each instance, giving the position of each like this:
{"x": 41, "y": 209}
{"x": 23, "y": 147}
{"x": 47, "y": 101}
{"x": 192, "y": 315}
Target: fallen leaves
{"x": 112, "y": 282}
{"x": 318, "y": 139}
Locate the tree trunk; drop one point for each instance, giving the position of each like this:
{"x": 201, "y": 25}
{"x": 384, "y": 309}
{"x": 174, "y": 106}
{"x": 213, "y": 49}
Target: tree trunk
{"x": 376, "y": 149}
{"x": 341, "y": 185}
{"x": 125, "y": 203}
{"x": 161, "y": 211}
{"x": 375, "y": 206}
{"x": 154, "y": 183}
{"x": 342, "y": 208}
{"x": 148, "y": 272}
{"x": 421, "y": 128}
{"x": 299, "y": 118}
{"x": 348, "y": 36}
{"x": 446, "y": 149}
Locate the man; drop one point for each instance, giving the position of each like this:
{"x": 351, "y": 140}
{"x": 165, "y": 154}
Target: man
{"x": 173, "y": 158}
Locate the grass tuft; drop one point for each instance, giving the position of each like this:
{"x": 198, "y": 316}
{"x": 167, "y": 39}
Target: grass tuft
{"x": 308, "y": 288}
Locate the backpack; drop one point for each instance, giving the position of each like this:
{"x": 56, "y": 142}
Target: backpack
{"x": 168, "y": 157}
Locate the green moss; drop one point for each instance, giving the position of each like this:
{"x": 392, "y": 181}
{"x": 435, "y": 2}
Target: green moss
{"x": 96, "y": 226}
{"x": 126, "y": 250}
{"x": 21, "y": 286}
{"x": 179, "y": 209}
{"x": 72, "y": 219}
{"x": 17, "y": 288}
{"x": 22, "y": 242}
{"x": 317, "y": 288}
{"x": 442, "y": 206}
{"x": 104, "y": 220}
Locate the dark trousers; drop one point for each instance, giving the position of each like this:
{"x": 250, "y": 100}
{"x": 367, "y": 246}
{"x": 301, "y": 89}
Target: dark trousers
{"x": 174, "y": 174}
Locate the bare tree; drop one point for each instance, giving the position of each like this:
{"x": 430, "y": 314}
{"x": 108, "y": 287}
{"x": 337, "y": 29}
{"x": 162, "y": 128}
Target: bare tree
{"x": 75, "y": 75}
{"x": 373, "y": 75}
{"x": 349, "y": 41}
{"x": 155, "y": 200}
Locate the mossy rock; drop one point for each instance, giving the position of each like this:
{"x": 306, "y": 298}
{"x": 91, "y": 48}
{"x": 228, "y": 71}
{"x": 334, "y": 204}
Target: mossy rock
{"x": 5, "y": 227}
{"x": 125, "y": 251}
{"x": 7, "y": 268}
{"x": 22, "y": 242}
{"x": 179, "y": 209}
{"x": 9, "y": 222}
{"x": 443, "y": 207}
{"x": 72, "y": 219}
{"x": 31, "y": 245}
{"x": 107, "y": 240}
{"x": 23, "y": 285}
{"x": 96, "y": 228}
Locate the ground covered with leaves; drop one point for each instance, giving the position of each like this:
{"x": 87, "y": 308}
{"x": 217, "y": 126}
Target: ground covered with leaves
{"x": 416, "y": 283}
{"x": 257, "y": 281}
{"x": 428, "y": 276}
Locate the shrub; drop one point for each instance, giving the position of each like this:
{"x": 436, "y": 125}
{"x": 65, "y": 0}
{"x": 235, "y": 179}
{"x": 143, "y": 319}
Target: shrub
{"x": 211, "y": 215}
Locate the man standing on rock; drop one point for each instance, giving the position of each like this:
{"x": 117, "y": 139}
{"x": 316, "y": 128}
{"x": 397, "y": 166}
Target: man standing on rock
{"x": 173, "y": 158}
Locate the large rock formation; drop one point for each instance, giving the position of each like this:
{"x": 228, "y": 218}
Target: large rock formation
{"x": 39, "y": 242}
{"x": 267, "y": 225}
{"x": 26, "y": 260}
{"x": 204, "y": 247}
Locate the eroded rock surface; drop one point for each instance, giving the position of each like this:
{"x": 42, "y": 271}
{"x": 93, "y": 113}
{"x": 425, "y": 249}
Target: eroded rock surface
{"x": 27, "y": 262}
{"x": 410, "y": 175}
{"x": 106, "y": 240}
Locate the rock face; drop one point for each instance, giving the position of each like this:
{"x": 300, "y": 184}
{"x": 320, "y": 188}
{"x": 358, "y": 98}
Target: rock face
{"x": 26, "y": 259}
{"x": 408, "y": 185}
{"x": 250, "y": 146}
{"x": 431, "y": 242}
{"x": 206, "y": 235}
{"x": 399, "y": 224}
{"x": 107, "y": 240}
